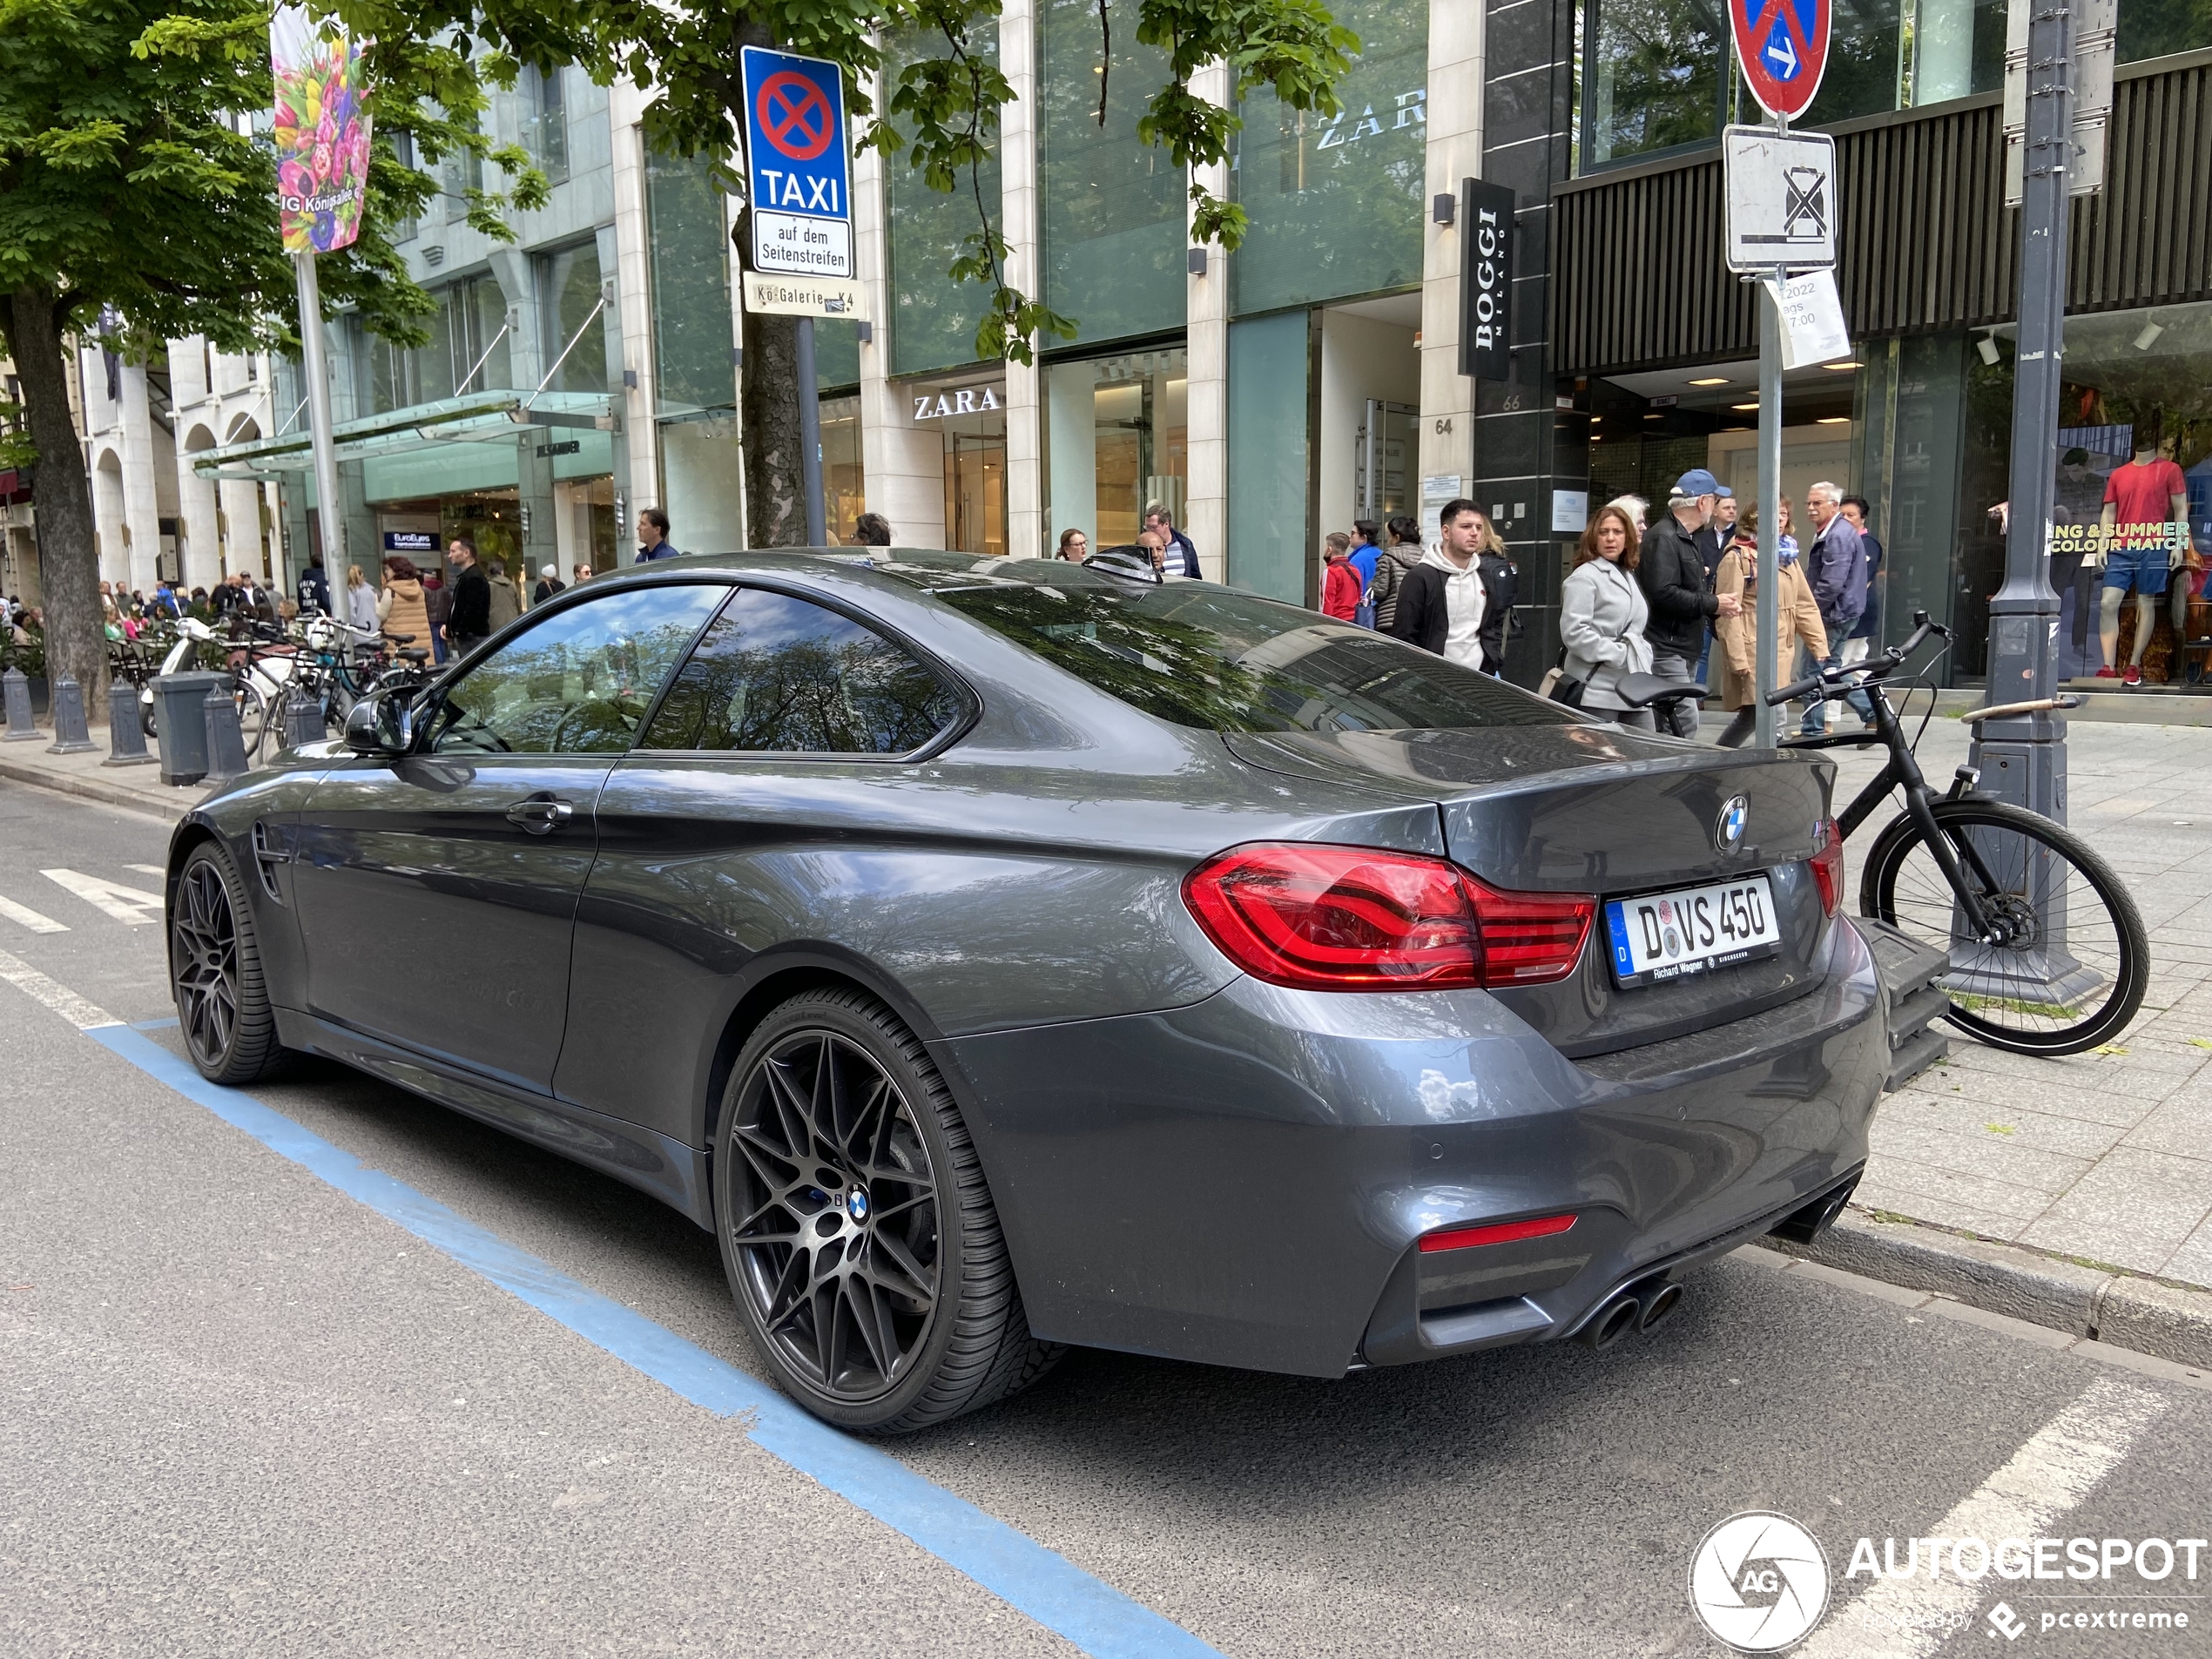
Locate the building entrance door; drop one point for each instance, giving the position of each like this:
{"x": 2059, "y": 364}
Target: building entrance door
{"x": 1379, "y": 485}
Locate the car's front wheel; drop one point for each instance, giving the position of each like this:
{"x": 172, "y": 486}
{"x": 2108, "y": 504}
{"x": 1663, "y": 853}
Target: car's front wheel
{"x": 856, "y": 1227}
{"x": 215, "y": 972}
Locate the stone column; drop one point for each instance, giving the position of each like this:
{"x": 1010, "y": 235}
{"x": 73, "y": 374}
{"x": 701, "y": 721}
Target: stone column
{"x": 1454, "y": 106}
{"x": 637, "y": 471}
{"x": 1205, "y": 512}
{"x": 902, "y": 461}
{"x": 1027, "y": 534}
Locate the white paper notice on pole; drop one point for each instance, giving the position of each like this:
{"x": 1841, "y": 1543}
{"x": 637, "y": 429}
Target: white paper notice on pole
{"x": 1813, "y": 319}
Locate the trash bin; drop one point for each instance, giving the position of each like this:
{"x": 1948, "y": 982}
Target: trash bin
{"x": 180, "y": 719}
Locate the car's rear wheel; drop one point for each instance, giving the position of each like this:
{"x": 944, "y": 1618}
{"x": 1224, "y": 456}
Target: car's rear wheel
{"x": 856, "y": 1227}
{"x": 215, "y": 972}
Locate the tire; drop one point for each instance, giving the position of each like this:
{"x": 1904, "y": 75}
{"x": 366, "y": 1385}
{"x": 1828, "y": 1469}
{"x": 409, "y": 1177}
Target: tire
{"x": 215, "y": 972}
{"x": 252, "y": 718}
{"x": 2104, "y": 942}
{"x": 856, "y": 1228}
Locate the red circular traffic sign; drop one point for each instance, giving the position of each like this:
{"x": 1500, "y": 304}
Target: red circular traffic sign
{"x": 794, "y": 116}
{"x": 1783, "y": 45}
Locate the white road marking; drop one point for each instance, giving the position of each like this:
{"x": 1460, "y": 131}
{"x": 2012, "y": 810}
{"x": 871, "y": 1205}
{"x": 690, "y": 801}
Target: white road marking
{"x": 127, "y": 905}
{"x": 24, "y": 915}
{"x": 74, "y": 1009}
{"x": 148, "y": 869}
{"x": 2061, "y": 1462}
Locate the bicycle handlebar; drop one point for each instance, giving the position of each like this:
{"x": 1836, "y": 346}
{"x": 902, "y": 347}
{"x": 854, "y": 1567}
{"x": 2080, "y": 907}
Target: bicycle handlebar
{"x": 1881, "y": 668}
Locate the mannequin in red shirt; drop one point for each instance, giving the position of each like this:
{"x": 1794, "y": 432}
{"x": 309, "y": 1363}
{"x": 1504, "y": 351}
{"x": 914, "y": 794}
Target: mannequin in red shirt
{"x": 2146, "y": 496}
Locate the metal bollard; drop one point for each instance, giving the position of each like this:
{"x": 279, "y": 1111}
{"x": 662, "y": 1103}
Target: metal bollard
{"x": 22, "y": 726}
{"x": 226, "y": 743}
{"x": 302, "y": 720}
{"x": 72, "y": 735}
{"x": 126, "y": 739}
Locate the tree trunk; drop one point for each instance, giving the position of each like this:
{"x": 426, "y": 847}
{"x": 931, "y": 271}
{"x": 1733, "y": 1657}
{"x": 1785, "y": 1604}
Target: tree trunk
{"x": 69, "y": 560}
{"x": 775, "y": 502}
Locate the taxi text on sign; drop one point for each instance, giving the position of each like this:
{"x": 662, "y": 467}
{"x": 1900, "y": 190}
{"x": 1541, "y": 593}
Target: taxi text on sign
{"x": 796, "y": 166}
{"x": 1783, "y": 45}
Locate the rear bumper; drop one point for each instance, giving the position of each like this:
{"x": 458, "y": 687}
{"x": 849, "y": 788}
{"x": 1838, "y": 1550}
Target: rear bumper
{"x": 1241, "y": 1182}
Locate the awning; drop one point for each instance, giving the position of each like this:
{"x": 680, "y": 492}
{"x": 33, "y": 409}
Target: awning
{"x": 480, "y": 417}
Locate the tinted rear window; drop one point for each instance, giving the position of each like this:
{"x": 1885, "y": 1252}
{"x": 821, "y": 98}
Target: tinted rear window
{"x": 1203, "y": 656}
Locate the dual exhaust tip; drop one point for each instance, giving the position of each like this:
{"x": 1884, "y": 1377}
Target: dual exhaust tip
{"x": 1638, "y": 1308}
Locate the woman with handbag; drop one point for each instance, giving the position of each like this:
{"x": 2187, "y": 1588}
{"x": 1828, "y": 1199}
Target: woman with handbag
{"x": 1602, "y": 615}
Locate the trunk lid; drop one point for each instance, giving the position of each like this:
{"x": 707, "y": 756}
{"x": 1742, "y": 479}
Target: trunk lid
{"x": 1600, "y": 810}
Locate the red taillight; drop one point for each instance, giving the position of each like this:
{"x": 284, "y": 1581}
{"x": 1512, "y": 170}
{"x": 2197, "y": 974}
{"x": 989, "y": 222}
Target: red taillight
{"x": 1501, "y": 1232}
{"x": 1529, "y": 938}
{"x": 1349, "y": 918}
{"x": 1828, "y": 867}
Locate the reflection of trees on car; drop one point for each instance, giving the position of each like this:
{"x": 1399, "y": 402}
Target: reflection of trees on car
{"x": 854, "y": 696}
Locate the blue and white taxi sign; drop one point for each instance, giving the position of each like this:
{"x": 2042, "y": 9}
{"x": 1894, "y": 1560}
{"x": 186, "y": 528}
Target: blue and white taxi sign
{"x": 1783, "y": 45}
{"x": 797, "y": 171}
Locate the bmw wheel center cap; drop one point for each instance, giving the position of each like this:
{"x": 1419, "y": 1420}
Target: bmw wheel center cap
{"x": 856, "y": 1204}
{"x": 1729, "y": 827}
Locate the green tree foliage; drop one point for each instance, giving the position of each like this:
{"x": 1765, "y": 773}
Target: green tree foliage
{"x": 939, "y": 116}
{"x": 136, "y": 207}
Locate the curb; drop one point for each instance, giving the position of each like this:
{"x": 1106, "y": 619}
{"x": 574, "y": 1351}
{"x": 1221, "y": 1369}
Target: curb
{"x": 63, "y": 783}
{"x": 2146, "y": 1316}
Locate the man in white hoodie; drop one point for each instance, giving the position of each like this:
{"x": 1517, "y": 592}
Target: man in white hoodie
{"x": 1452, "y": 603}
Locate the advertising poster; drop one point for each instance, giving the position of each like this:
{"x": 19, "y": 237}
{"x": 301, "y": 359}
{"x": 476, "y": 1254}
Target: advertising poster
{"x": 2093, "y": 474}
{"x": 321, "y": 131}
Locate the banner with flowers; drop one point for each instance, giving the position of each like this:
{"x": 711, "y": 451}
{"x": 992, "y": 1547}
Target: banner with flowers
{"x": 321, "y": 131}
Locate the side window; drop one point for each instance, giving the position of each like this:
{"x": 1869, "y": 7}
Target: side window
{"x": 579, "y": 683}
{"x": 778, "y": 673}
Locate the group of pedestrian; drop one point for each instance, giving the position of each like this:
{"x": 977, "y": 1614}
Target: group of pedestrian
{"x": 1661, "y": 599}
{"x": 1172, "y": 553}
{"x": 1455, "y": 599}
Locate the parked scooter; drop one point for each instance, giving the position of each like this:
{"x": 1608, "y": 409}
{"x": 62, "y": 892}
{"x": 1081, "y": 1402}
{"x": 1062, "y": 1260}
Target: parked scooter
{"x": 261, "y": 692}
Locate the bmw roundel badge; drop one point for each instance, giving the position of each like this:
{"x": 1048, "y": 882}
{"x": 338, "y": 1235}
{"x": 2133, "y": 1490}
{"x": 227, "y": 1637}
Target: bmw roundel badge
{"x": 1728, "y": 829}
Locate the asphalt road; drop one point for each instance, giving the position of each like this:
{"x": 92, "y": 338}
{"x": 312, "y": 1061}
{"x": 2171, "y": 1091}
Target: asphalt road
{"x": 246, "y": 1414}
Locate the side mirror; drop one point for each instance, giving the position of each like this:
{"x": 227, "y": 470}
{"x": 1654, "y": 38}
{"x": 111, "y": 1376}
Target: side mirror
{"x": 382, "y": 725}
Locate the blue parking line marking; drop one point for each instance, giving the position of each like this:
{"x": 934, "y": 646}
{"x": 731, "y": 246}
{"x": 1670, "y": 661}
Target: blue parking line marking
{"x": 154, "y": 1025}
{"x": 1021, "y": 1572}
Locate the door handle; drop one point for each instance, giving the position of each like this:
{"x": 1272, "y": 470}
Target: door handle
{"x": 540, "y": 814}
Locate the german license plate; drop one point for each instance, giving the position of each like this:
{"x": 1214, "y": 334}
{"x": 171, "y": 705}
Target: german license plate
{"x": 1666, "y": 935}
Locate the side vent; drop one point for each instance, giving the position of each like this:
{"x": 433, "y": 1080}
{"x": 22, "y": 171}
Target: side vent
{"x": 270, "y": 849}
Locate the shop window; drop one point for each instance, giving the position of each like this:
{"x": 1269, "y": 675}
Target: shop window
{"x": 1661, "y": 74}
{"x": 1335, "y": 202}
{"x": 568, "y": 295}
{"x": 970, "y": 417}
{"x": 545, "y": 123}
{"x": 1111, "y": 209}
{"x": 1116, "y": 440}
{"x": 2160, "y": 28}
{"x": 467, "y": 352}
{"x": 934, "y": 318}
{"x": 844, "y": 483}
{"x": 1269, "y": 360}
{"x": 690, "y": 288}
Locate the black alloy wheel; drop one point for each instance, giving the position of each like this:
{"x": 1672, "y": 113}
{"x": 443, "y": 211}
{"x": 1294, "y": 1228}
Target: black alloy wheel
{"x": 215, "y": 971}
{"x": 856, "y": 1228}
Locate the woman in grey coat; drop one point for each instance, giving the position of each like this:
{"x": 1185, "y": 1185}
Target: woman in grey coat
{"x": 1602, "y": 615}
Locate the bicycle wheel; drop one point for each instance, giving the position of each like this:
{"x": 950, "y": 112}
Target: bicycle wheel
{"x": 2070, "y": 961}
{"x": 253, "y": 717}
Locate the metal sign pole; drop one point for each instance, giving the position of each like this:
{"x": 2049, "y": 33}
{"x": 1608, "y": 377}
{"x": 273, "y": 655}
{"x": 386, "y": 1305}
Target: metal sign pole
{"x": 2023, "y": 759}
{"x": 330, "y": 511}
{"x": 810, "y": 437}
{"x": 1766, "y": 675}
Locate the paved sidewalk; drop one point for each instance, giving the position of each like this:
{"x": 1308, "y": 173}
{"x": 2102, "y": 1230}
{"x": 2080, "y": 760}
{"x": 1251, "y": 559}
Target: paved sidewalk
{"x": 2103, "y": 1158}
{"x": 139, "y": 788}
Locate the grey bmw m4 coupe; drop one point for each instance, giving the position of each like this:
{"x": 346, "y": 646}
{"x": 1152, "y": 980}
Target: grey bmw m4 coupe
{"x": 997, "y": 956}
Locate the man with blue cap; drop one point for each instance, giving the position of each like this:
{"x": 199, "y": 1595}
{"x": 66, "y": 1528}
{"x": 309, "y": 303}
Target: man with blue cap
{"x": 1671, "y": 570}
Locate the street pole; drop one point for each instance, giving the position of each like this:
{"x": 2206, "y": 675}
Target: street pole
{"x": 330, "y": 511}
{"x": 810, "y": 437}
{"x": 1766, "y": 672}
{"x": 2022, "y": 757}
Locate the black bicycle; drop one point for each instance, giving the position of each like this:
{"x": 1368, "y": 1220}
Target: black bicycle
{"x": 2048, "y": 953}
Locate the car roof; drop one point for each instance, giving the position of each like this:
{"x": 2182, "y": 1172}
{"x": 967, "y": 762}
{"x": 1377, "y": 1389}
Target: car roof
{"x": 911, "y": 568}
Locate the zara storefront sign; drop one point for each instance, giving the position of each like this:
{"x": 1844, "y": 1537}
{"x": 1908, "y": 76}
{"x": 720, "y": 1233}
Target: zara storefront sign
{"x": 966, "y": 400}
{"x": 1486, "y": 281}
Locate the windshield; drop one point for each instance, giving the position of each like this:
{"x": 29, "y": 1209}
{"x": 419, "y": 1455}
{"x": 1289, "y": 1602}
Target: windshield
{"x": 1203, "y": 656}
